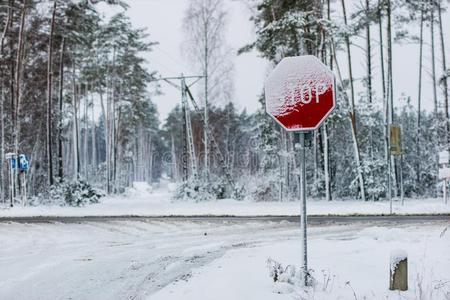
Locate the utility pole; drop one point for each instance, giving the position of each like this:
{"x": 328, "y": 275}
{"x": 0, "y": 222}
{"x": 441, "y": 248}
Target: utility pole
{"x": 216, "y": 148}
{"x": 188, "y": 145}
{"x": 189, "y": 137}
{"x": 189, "y": 158}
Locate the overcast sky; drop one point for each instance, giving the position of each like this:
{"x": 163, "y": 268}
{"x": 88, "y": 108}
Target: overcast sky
{"x": 164, "y": 20}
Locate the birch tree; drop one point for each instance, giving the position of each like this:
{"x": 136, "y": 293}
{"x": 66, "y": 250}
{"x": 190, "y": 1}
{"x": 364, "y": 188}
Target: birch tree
{"x": 443, "y": 80}
{"x": 204, "y": 26}
{"x": 352, "y": 112}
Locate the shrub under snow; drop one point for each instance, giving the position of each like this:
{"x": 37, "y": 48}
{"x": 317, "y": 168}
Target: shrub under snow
{"x": 75, "y": 193}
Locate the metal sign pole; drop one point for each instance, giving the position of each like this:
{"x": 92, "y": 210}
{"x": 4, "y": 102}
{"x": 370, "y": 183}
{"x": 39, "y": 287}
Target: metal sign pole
{"x": 11, "y": 183}
{"x": 11, "y": 157}
{"x": 389, "y": 189}
{"x": 402, "y": 191}
{"x": 303, "y": 221}
{"x": 24, "y": 189}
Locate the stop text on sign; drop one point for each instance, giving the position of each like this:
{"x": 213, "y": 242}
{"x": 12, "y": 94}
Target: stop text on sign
{"x": 300, "y": 93}
{"x": 295, "y": 92}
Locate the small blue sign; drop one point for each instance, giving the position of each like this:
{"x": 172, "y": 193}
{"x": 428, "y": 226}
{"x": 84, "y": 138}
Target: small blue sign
{"x": 13, "y": 163}
{"x": 23, "y": 162}
{"x": 24, "y": 165}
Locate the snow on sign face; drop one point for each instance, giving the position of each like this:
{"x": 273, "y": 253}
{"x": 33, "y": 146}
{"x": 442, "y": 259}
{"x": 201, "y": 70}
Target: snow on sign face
{"x": 300, "y": 93}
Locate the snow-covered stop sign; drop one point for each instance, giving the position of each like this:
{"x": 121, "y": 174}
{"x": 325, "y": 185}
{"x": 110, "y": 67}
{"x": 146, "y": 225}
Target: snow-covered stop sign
{"x": 300, "y": 93}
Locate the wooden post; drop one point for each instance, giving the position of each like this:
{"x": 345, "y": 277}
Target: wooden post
{"x": 398, "y": 271}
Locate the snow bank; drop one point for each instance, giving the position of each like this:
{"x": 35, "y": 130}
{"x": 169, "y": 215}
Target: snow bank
{"x": 346, "y": 264}
{"x": 141, "y": 200}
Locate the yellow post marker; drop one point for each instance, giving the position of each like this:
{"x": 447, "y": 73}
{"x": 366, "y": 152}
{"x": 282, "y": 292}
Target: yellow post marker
{"x": 396, "y": 140}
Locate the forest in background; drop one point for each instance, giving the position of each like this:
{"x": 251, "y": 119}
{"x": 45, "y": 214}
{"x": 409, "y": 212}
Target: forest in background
{"x": 76, "y": 97}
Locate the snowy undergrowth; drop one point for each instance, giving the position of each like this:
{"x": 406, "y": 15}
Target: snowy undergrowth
{"x": 424, "y": 283}
{"x": 215, "y": 188}
{"x": 323, "y": 284}
{"x": 74, "y": 193}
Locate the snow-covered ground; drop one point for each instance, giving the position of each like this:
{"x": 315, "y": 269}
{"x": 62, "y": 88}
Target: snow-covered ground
{"x": 346, "y": 264}
{"x": 218, "y": 260}
{"x": 144, "y": 202}
{"x": 117, "y": 259}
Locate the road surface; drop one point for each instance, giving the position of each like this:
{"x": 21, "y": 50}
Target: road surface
{"x": 312, "y": 220}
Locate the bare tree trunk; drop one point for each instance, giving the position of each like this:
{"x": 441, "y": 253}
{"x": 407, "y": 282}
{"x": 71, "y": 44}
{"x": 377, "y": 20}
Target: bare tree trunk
{"x": 12, "y": 66}
{"x": 60, "y": 125}
{"x": 49, "y": 99}
{"x": 113, "y": 139}
{"x": 85, "y": 137}
{"x": 5, "y": 31}
{"x": 68, "y": 155}
{"x": 433, "y": 60}
{"x": 433, "y": 77}
{"x": 326, "y": 154}
{"x": 384, "y": 89}
{"x": 75, "y": 137}
{"x": 369, "y": 77}
{"x": 368, "y": 53}
{"x": 330, "y": 46}
{"x": 150, "y": 159}
{"x": 206, "y": 103}
{"x": 390, "y": 99}
{"x": 380, "y": 30}
{"x": 444, "y": 78}
{"x": 94, "y": 140}
{"x": 390, "y": 75}
{"x": 2, "y": 100}
{"x": 108, "y": 140}
{"x": 349, "y": 62}
{"x": 18, "y": 91}
{"x": 419, "y": 100}
{"x": 116, "y": 149}
{"x": 353, "y": 113}
{"x": 112, "y": 123}
{"x": 2, "y": 153}
{"x": 353, "y": 129}
{"x": 108, "y": 136}
{"x": 105, "y": 113}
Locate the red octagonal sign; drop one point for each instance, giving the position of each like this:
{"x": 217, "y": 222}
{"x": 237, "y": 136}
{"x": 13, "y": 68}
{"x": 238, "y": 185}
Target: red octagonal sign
{"x": 300, "y": 93}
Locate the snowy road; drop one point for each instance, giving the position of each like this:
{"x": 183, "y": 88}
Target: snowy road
{"x": 122, "y": 259}
{"x": 117, "y": 259}
{"x": 312, "y": 220}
